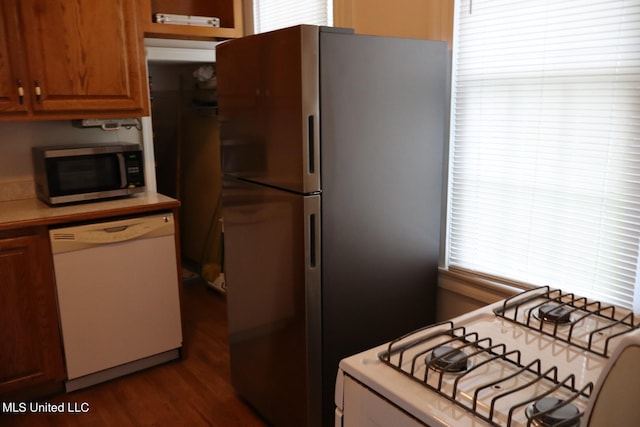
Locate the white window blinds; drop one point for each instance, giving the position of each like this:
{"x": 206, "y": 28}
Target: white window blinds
{"x": 273, "y": 14}
{"x": 545, "y": 161}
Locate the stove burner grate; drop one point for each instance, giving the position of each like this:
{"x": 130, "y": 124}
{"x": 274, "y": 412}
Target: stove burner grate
{"x": 551, "y": 411}
{"x": 455, "y": 346}
{"x": 566, "y": 309}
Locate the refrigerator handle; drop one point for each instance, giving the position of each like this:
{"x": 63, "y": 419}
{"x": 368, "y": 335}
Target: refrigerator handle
{"x": 312, "y": 213}
{"x": 311, "y": 167}
{"x": 312, "y": 240}
{"x": 311, "y": 152}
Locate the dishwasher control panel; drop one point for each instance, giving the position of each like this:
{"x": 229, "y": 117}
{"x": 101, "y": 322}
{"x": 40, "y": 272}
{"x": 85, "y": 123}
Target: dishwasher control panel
{"x": 82, "y": 236}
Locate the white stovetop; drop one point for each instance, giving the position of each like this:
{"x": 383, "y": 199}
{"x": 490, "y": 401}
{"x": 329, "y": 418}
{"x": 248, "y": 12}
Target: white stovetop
{"x": 436, "y": 411}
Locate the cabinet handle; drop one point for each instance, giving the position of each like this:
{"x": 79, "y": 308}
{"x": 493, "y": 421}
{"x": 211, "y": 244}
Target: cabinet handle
{"x": 20, "y": 91}
{"x": 37, "y": 90}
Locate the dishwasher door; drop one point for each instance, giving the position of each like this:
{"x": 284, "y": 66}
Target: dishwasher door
{"x": 118, "y": 296}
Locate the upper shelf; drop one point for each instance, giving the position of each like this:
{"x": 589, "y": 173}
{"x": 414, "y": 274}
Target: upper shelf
{"x": 228, "y": 11}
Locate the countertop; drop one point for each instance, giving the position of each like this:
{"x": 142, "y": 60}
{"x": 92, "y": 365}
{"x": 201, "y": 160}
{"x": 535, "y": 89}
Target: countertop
{"x": 33, "y": 212}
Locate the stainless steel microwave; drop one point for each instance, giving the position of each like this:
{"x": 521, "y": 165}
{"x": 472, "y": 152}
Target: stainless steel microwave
{"x": 66, "y": 174}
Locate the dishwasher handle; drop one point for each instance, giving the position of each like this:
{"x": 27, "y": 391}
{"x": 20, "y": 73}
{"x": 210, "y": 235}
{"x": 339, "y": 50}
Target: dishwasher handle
{"x": 116, "y": 229}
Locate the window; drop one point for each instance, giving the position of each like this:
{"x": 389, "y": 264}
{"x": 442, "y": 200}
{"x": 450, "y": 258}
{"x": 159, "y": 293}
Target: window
{"x": 273, "y": 14}
{"x": 544, "y": 183}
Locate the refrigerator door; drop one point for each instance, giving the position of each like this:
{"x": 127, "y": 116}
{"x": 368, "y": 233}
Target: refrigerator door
{"x": 272, "y": 270}
{"x": 269, "y": 108}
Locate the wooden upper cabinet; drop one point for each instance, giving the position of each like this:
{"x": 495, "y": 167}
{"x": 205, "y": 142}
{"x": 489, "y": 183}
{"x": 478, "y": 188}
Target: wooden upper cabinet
{"x": 228, "y": 11}
{"x": 84, "y": 58}
{"x": 12, "y": 68}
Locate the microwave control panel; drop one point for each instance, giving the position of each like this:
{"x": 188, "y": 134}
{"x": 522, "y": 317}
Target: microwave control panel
{"x": 135, "y": 170}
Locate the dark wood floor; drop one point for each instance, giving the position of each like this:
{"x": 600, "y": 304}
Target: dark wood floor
{"x": 195, "y": 391}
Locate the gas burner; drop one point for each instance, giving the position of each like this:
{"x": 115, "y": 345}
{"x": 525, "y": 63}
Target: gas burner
{"x": 564, "y": 416}
{"x": 553, "y": 313}
{"x": 448, "y": 359}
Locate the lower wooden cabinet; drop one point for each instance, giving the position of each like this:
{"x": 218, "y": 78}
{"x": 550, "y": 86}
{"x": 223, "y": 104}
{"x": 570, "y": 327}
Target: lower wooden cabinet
{"x": 30, "y": 346}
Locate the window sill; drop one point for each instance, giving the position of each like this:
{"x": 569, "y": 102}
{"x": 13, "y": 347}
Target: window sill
{"x": 460, "y": 291}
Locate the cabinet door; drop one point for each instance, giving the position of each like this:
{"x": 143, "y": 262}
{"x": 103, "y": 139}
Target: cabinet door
{"x": 84, "y": 55}
{"x": 30, "y": 351}
{"x": 11, "y": 69}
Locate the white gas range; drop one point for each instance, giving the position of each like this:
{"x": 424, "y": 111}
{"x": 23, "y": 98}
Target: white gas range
{"x": 540, "y": 358}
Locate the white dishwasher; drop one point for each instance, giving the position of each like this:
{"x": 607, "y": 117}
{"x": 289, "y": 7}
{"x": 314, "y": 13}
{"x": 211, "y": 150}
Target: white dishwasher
{"x": 118, "y": 297}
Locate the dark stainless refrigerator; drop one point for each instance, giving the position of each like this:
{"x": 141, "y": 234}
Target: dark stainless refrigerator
{"x": 333, "y": 151}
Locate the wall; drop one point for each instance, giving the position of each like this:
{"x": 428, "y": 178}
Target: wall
{"x": 422, "y": 19}
{"x": 16, "y": 169}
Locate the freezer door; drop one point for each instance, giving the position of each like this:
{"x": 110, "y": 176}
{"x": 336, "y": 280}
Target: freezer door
{"x": 272, "y": 272}
{"x": 269, "y": 108}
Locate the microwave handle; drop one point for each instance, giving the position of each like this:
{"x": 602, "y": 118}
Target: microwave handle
{"x": 123, "y": 171}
